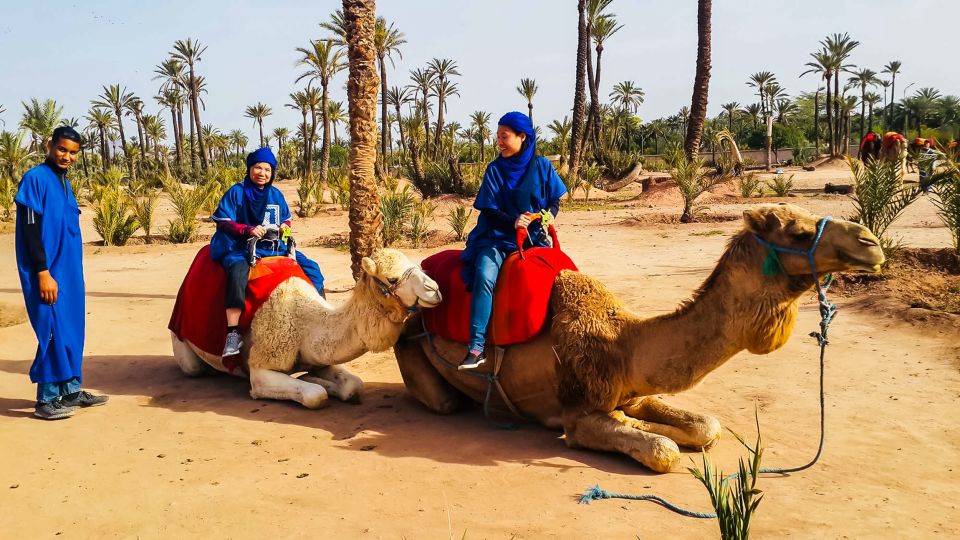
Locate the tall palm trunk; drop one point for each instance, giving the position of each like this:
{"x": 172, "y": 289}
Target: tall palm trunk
{"x": 403, "y": 144}
{"x": 195, "y": 99}
{"x": 441, "y": 98}
{"x": 139, "y": 120}
{"x": 311, "y": 141}
{"x": 123, "y": 141}
{"x": 176, "y": 134}
{"x": 863, "y": 110}
{"x": 829, "y": 106}
{"x": 362, "y": 96}
{"x": 893, "y": 97}
{"x": 260, "y": 122}
{"x": 576, "y": 127}
{"x": 193, "y": 137}
{"x": 593, "y": 84}
{"x": 104, "y": 154}
{"x": 426, "y": 120}
{"x": 701, "y": 82}
{"x": 837, "y": 117}
{"x": 384, "y": 128}
{"x": 325, "y": 145}
{"x": 306, "y": 146}
{"x": 816, "y": 123}
{"x": 870, "y": 118}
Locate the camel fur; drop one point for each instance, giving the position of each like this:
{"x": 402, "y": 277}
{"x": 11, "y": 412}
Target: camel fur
{"x": 893, "y": 149}
{"x": 599, "y": 369}
{"x": 297, "y": 330}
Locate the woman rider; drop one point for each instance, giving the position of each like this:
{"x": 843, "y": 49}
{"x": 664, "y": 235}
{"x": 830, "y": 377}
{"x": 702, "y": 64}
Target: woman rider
{"x": 247, "y": 210}
{"x": 516, "y": 186}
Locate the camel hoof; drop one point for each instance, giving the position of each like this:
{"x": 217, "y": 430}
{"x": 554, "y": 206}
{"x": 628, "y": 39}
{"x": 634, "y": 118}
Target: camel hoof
{"x": 317, "y": 401}
{"x": 665, "y": 454}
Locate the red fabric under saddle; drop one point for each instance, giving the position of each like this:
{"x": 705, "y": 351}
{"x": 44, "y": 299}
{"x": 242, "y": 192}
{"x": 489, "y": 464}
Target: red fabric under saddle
{"x": 520, "y": 300}
{"x": 199, "y": 315}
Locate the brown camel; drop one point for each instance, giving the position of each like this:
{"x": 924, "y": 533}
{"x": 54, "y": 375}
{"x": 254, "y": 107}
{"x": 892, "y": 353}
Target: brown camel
{"x": 597, "y": 371}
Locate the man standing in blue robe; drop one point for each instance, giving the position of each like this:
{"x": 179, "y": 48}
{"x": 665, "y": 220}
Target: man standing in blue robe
{"x": 50, "y": 264}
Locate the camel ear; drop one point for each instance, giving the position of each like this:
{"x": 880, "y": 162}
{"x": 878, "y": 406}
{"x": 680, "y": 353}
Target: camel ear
{"x": 369, "y": 266}
{"x": 760, "y": 222}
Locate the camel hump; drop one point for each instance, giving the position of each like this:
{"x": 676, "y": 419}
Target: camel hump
{"x": 583, "y": 306}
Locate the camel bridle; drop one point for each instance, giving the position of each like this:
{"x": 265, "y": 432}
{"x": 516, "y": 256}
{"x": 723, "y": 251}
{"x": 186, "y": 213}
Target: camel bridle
{"x": 389, "y": 290}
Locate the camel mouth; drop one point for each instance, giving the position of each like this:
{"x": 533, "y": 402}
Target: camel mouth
{"x": 870, "y": 262}
{"x": 426, "y": 303}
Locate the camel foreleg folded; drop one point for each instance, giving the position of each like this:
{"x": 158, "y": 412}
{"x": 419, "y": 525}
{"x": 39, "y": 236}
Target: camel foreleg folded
{"x": 615, "y": 432}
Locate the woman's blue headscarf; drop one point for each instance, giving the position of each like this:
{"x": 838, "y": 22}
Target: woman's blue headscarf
{"x": 254, "y": 197}
{"x": 513, "y": 168}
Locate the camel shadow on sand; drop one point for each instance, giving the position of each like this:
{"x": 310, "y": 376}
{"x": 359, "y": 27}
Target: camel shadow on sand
{"x": 388, "y": 421}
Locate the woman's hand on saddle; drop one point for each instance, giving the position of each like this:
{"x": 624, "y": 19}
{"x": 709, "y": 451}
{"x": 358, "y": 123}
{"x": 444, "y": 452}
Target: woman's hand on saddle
{"x": 523, "y": 221}
{"x": 258, "y": 231}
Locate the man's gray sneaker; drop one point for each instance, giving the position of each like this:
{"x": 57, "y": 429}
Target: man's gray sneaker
{"x": 233, "y": 344}
{"x": 53, "y": 410}
{"x": 83, "y": 399}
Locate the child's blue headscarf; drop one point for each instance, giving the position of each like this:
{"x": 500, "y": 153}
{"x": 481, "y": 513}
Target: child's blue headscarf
{"x": 513, "y": 167}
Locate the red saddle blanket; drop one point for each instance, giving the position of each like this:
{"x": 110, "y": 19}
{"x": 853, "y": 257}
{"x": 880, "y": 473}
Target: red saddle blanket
{"x": 520, "y": 301}
{"x": 199, "y": 315}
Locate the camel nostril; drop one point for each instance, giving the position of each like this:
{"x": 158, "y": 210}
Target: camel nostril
{"x": 867, "y": 241}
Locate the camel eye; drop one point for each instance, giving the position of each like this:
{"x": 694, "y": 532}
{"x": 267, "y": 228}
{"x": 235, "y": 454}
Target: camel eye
{"x": 393, "y": 281}
{"x": 803, "y": 236}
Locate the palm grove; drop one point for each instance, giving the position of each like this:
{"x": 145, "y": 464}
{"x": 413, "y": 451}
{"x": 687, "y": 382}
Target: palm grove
{"x": 173, "y": 154}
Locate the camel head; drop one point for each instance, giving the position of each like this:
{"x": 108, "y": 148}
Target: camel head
{"x": 843, "y": 246}
{"x": 400, "y": 280}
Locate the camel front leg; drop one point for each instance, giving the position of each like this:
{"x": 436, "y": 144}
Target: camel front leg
{"x": 338, "y": 382}
{"x": 265, "y": 383}
{"x": 422, "y": 380}
{"x": 615, "y": 432}
{"x": 690, "y": 429}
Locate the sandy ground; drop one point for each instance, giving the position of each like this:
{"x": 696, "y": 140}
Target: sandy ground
{"x": 172, "y": 457}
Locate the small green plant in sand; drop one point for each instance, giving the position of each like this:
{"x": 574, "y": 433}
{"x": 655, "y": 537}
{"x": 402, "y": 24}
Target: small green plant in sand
{"x": 693, "y": 180}
{"x": 395, "y": 208}
{"x": 749, "y": 185}
{"x": 113, "y": 219}
{"x": 880, "y": 196}
{"x": 143, "y": 202}
{"x": 735, "y": 498}
{"x": 458, "y": 219}
{"x": 419, "y": 222}
{"x": 188, "y": 203}
{"x": 946, "y": 185}
{"x": 8, "y": 190}
{"x": 780, "y": 184}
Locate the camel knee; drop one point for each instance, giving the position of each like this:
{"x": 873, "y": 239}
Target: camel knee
{"x": 190, "y": 364}
{"x": 711, "y": 432}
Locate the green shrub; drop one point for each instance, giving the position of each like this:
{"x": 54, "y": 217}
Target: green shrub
{"x": 108, "y": 180}
{"x": 306, "y": 207}
{"x": 113, "y": 220}
{"x": 419, "y": 222}
{"x": 749, "y": 185}
{"x": 395, "y": 207}
{"x": 8, "y": 190}
{"x": 572, "y": 184}
{"x": 947, "y": 187}
{"x": 880, "y": 195}
{"x": 144, "y": 204}
{"x": 734, "y": 505}
{"x": 458, "y": 219}
{"x": 655, "y": 165}
{"x": 615, "y": 163}
{"x": 188, "y": 204}
{"x": 591, "y": 179}
{"x": 693, "y": 180}
{"x": 339, "y": 183}
{"x": 781, "y": 184}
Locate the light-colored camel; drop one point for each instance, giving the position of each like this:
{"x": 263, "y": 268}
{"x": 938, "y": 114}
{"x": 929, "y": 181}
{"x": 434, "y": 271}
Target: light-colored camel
{"x": 597, "y": 371}
{"x": 296, "y": 330}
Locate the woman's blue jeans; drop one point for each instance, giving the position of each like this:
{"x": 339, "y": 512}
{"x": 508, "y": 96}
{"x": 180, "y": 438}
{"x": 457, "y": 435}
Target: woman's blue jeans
{"x": 487, "y": 268}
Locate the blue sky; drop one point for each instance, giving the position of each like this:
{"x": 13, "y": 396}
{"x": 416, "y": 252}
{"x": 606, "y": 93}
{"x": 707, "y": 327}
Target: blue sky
{"x": 69, "y": 50}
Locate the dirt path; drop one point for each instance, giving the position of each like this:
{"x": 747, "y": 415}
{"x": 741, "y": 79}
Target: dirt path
{"x": 177, "y": 457}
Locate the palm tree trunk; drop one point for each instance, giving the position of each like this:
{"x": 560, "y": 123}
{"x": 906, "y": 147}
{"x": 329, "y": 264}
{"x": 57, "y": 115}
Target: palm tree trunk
{"x": 441, "y": 98}
{"x": 176, "y": 134}
{"x": 593, "y": 112}
{"x": 836, "y": 113}
{"x": 362, "y": 97}
{"x": 312, "y": 140}
{"x": 870, "y": 123}
{"x": 260, "y": 122}
{"x": 829, "y": 106}
{"x": 306, "y": 146}
{"x": 530, "y": 110}
{"x": 893, "y": 97}
{"x": 325, "y": 145}
{"x": 701, "y": 82}
{"x": 384, "y": 129}
{"x": 595, "y": 106}
{"x": 816, "y": 123}
{"x": 426, "y": 121}
{"x": 196, "y": 118}
{"x": 104, "y": 156}
{"x": 403, "y": 143}
{"x": 123, "y": 141}
{"x": 863, "y": 110}
{"x": 576, "y": 128}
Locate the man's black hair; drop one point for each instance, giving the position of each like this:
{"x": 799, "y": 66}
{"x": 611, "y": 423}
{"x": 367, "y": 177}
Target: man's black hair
{"x": 65, "y": 132}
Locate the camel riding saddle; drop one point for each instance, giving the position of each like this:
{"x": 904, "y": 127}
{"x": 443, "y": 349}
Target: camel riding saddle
{"x": 520, "y": 301}
{"x": 199, "y": 316}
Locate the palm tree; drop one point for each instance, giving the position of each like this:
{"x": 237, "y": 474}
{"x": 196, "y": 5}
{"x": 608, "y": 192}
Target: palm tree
{"x": 337, "y": 27}
{"x": 528, "y": 89}
{"x": 731, "y": 109}
{"x": 423, "y": 80}
{"x": 118, "y": 100}
{"x": 480, "y": 121}
{"x": 300, "y": 101}
{"x": 892, "y": 68}
{"x": 602, "y": 28}
{"x": 865, "y": 78}
{"x": 784, "y": 110}
{"x": 822, "y": 64}
{"x": 101, "y": 119}
{"x": 387, "y": 40}
{"x": 885, "y": 84}
{"x": 172, "y": 99}
{"x": 761, "y": 80}
{"x": 153, "y": 129}
{"x": 171, "y": 96}
{"x": 871, "y": 99}
{"x": 839, "y": 47}
{"x": 443, "y": 69}
{"x": 362, "y": 96}
{"x": 701, "y": 81}
{"x": 281, "y": 134}
{"x": 576, "y": 127}
{"x": 323, "y": 61}
{"x": 658, "y": 130}
{"x": 627, "y": 96}
{"x": 397, "y": 97}
{"x": 258, "y": 112}
{"x": 593, "y": 13}
{"x": 189, "y": 52}
{"x": 135, "y": 108}
{"x": 561, "y": 134}
{"x": 14, "y": 156}
{"x": 40, "y": 119}
{"x": 238, "y": 140}
{"x": 753, "y": 112}
{"x": 335, "y": 110}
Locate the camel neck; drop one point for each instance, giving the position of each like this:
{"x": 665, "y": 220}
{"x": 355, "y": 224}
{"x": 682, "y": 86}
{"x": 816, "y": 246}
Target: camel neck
{"x": 737, "y": 308}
